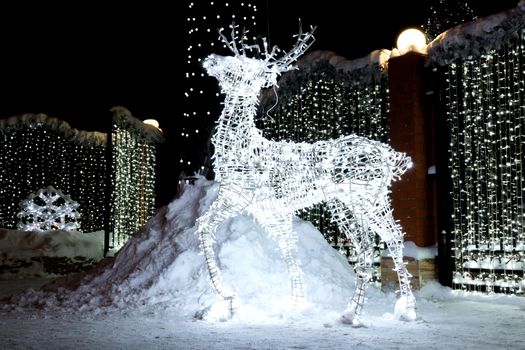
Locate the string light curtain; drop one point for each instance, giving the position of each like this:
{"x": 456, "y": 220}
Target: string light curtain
{"x": 484, "y": 109}
{"x": 201, "y": 100}
{"x": 40, "y": 151}
{"x": 444, "y": 14}
{"x": 133, "y": 164}
{"x": 320, "y": 102}
{"x": 483, "y": 90}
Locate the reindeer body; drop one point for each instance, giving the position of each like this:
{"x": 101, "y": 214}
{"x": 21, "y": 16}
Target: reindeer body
{"x": 272, "y": 180}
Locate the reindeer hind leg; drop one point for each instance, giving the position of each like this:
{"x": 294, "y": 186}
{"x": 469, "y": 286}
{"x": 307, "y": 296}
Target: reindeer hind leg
{"x": 363, "y": 274}
{"x": 353, "y": 228}
{"x": 384, "y": 224}
{"x": 405, "y": 308}
{"x": 280, "y": 227}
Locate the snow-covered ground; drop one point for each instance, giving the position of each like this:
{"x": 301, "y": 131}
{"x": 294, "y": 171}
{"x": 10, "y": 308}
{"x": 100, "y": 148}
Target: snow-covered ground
{"x": 448, "y": 320}
{"x": 155, "y": 294}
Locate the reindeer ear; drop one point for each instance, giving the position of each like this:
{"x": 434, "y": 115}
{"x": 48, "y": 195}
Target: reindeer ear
{"x": 208, "y": 61}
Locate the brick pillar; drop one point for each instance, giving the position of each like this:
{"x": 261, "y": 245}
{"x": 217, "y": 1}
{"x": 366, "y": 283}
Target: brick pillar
{"x": 411, "y": 131}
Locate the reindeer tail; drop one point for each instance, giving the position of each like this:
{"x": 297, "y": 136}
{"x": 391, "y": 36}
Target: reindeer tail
{"x": 400, "y": 163}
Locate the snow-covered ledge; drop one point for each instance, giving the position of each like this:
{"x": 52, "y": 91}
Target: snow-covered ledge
{"x": 474, "y": 38}
{"x": 420, "y": 263}
{"x": 411, "y": 250}
{"x": 365, "y": 69}
{"x": 375, "y": 62}
{"x": 38, "y": 120}
{"x": 123, "y": 116}
{"x": 26, "y": 254}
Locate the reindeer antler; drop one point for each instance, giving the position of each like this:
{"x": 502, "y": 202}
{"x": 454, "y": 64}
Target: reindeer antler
{"x": 281, "y": 64}
{"x": 303, "y": 43}
{"x": 230, "y": 44}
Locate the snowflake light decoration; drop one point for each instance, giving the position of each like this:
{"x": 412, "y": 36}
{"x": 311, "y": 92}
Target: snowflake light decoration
{"x": 48, "y": 209}
{"x": 272, "y": 180}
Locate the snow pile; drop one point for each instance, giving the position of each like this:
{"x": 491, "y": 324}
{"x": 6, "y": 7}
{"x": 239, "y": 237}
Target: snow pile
{"x": 22, "y": 252}
{"x": 161, "y": 269}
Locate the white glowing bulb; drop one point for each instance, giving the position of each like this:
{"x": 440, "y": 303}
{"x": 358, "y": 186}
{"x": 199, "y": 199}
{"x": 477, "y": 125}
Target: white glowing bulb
{"x": 152, "y": 122}
{"x": 411, "y": 39}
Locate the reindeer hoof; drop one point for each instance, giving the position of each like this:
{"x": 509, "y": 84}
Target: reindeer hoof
{"x": 350, "y": 317}
{"x": 405, "y": 309}
{"x": 409, "y": 316}
{"x": 221, "y": 310}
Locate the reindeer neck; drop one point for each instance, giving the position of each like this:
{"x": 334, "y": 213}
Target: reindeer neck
{"x": 237, "y": 118}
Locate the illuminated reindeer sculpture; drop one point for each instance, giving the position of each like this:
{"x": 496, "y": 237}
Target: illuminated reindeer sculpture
{"x": 272, "y": 180}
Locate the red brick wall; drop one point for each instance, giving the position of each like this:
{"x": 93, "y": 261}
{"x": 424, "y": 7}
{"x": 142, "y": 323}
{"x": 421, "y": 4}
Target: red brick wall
{"x": 411, "y": 130}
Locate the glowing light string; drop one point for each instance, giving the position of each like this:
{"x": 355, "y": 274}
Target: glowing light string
{"x": 272, "y": 180}
{"x": 484, "y": 97}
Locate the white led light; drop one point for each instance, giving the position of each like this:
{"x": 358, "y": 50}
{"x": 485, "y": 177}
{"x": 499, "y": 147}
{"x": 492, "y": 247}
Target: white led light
{"x": 485, "y": 117}
{"x": 152, "y": 122}
{"x": 411, "y": 39}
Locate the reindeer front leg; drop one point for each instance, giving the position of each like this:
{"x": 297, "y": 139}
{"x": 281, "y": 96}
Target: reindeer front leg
{"x": 230, "y": 202}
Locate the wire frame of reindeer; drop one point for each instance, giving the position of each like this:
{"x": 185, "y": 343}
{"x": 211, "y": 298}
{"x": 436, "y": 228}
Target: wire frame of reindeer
{"x": 272, "y": 180}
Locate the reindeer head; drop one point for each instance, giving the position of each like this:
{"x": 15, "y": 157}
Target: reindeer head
{"x": 248, "y": 75}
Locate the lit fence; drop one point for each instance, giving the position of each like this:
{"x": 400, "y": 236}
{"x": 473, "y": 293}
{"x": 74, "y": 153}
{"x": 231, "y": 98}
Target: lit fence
{"x": 483, "y": 99}
{"x": 484, "y": 108}
{"x": 40, "y": 151}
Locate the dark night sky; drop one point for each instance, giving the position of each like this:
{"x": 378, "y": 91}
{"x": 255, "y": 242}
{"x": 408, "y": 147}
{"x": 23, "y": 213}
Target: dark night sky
{"x": 75, "y": 63}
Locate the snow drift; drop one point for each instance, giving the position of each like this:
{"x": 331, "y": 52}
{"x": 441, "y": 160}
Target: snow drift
{"x": 28, "y": 254}
{"x": 161, "y": 269}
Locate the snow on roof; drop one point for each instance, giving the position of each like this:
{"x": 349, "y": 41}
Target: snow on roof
{"x": 461, "y": 42}
{"x": 373, "y": 62}
{"x": 121, "y": 114}
{"x": 474, "y": 38}
{"x": 149, "y": 132}
{"x": 38, "y": 120}
{"x": 361, "y": 70}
